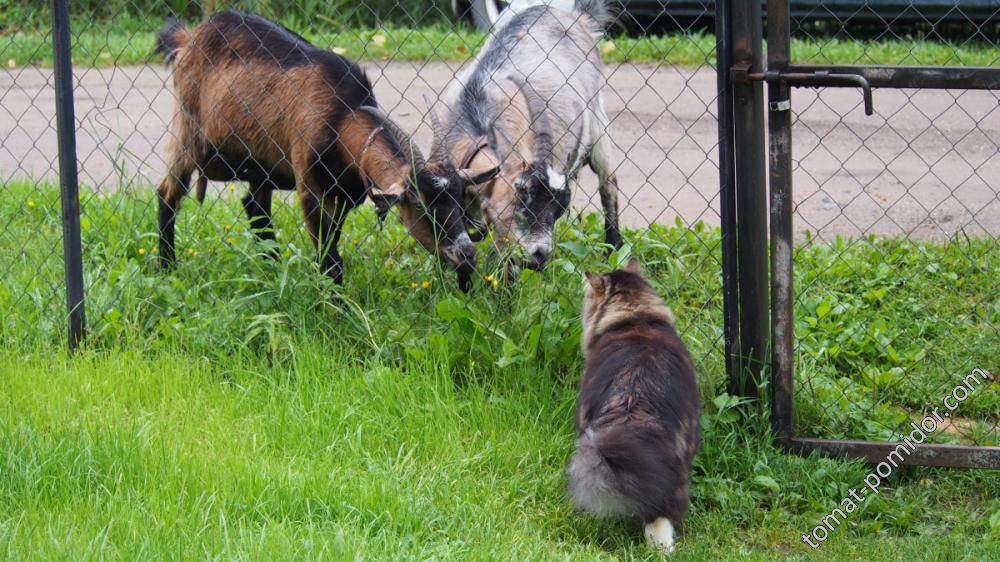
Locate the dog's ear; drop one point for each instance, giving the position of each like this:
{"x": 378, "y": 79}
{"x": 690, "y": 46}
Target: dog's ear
{"x": 597, "y": 282}
{"x": 633, "y": 266}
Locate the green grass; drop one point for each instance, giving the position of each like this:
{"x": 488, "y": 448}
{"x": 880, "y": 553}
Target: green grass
{"x": 132, "y": 43}
{"x": 232, "y": 409}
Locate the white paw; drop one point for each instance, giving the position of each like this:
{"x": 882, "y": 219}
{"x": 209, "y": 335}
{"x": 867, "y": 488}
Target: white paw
{"x": 660, "y": 534}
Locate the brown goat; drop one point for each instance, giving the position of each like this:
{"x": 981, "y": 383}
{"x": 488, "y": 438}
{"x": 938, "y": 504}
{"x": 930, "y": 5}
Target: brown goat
{"x": 258, "y": 103}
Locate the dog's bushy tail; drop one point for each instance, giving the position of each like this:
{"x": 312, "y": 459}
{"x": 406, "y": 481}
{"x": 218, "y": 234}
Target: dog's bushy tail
{"x": 621, "y": 470}
{"x": 172, "y": 39}
{"x": 598, "y": 10}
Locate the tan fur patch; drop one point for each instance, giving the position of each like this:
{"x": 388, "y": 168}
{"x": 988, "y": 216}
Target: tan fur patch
{"x": 603, "y": 307}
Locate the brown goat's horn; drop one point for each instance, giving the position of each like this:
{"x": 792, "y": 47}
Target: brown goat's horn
{"x": 410, "y": 149}
{"x": 438, "y": 153}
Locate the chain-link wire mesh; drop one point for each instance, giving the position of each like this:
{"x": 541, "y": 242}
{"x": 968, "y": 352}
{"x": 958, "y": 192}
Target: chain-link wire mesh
{"x": 899, "y": 214}
{"x": 896, "y": 209}
{"x": 224, "y": 295}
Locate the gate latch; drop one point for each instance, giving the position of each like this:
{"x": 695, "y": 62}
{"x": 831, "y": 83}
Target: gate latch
{"x": 740, "y": 73}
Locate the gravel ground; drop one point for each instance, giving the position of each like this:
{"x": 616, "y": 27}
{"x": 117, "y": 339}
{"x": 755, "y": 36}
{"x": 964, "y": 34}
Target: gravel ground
{"x": 926, "y": 165}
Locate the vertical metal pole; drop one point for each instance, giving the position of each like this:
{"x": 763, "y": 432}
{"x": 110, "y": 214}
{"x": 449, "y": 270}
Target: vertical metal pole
{"x": 779, "y": 119}
{"x": 751, "y": 198}
{"x": 68, "y": 182}
{"x": 727, "y": 192}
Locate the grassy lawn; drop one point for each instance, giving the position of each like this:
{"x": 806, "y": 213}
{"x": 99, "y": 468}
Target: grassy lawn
{"x": 105, "y": 45}
{"x": 232, "y": 409}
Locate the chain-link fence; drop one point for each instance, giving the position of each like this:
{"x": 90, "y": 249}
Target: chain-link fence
{"x": 896, "y": 215}
{"x": 222, "y": 294}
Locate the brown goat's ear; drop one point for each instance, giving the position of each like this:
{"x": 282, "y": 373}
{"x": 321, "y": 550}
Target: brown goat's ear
{"x": 633, "y": 266}
{"x": 597, "y": 282}
{"x": 396, "y": 190}
{"x": 386, "y": 199}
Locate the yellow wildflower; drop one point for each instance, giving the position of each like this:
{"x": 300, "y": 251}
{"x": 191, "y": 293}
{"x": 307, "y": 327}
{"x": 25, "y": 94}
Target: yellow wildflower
{"x": 142, "y": 251}
{"x": 31, "y": 204}
{"x": 426, "y": 284}
{"x": 413, "y": 285}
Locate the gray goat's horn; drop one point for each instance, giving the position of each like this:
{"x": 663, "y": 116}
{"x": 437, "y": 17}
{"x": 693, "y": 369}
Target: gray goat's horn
{"x": 538, "y": 121}
{"x": 435, "y": 121}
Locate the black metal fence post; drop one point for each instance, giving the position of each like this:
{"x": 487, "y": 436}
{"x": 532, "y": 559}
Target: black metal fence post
{"x": 68, "y": 181}
{"x": 779, "y": 120}
{"x": 751, "y": 200}
{"x": 727, "y": 192}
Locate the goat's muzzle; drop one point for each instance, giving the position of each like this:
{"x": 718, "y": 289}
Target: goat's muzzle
{"x": 461, "y": 256}
{"x": 384, "y": 204}
{"x": 536, "y": 261}
{"x": 538, "y": 251}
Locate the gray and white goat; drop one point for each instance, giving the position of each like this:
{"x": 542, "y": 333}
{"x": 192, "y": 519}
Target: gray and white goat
{"x": 531, "y": 102}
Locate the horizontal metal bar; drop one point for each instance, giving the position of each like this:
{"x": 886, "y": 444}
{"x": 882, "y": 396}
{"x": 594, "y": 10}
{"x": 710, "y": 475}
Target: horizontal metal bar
{"x": 817, "y": 79}
{"x": 933, "y": 77}
{"x": 957, "y": 456}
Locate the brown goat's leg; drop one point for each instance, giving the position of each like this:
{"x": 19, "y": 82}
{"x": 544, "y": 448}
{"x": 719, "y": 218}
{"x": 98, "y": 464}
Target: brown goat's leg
{"x": 332, "y": 224}
{"x": 257, "y": 203}
{"x": 182, "y": 161}
{"x": 169, "y": 196}
{"x": 324, "y": 219}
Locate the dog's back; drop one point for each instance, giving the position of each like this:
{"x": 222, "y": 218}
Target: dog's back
{"x": 638, "y": 412}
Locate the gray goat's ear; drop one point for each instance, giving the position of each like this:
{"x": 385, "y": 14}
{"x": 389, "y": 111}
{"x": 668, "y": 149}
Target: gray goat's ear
{"x": 473, "y": 177}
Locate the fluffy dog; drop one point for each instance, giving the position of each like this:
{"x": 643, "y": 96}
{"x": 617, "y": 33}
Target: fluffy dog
{"x": 637, "y": 415}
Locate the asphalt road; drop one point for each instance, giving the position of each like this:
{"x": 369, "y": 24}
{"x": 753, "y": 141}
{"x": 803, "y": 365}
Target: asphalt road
{"x": 926, "y": 165}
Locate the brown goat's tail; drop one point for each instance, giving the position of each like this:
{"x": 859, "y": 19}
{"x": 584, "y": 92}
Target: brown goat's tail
{"x": 172, "y": 39}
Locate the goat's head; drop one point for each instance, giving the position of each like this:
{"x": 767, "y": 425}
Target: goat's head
{"x": 523, "y": 204}
{"x": 541, "y": 196}
{"x": 431, "y": 203}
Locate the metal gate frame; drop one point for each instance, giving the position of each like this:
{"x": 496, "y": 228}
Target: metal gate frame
{"x": 752, "y": 343}
{"x": 69, "y": 185}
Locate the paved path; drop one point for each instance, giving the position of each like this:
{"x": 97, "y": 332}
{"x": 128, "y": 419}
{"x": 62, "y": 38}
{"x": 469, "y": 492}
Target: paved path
{"x": 926, "y": 165}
